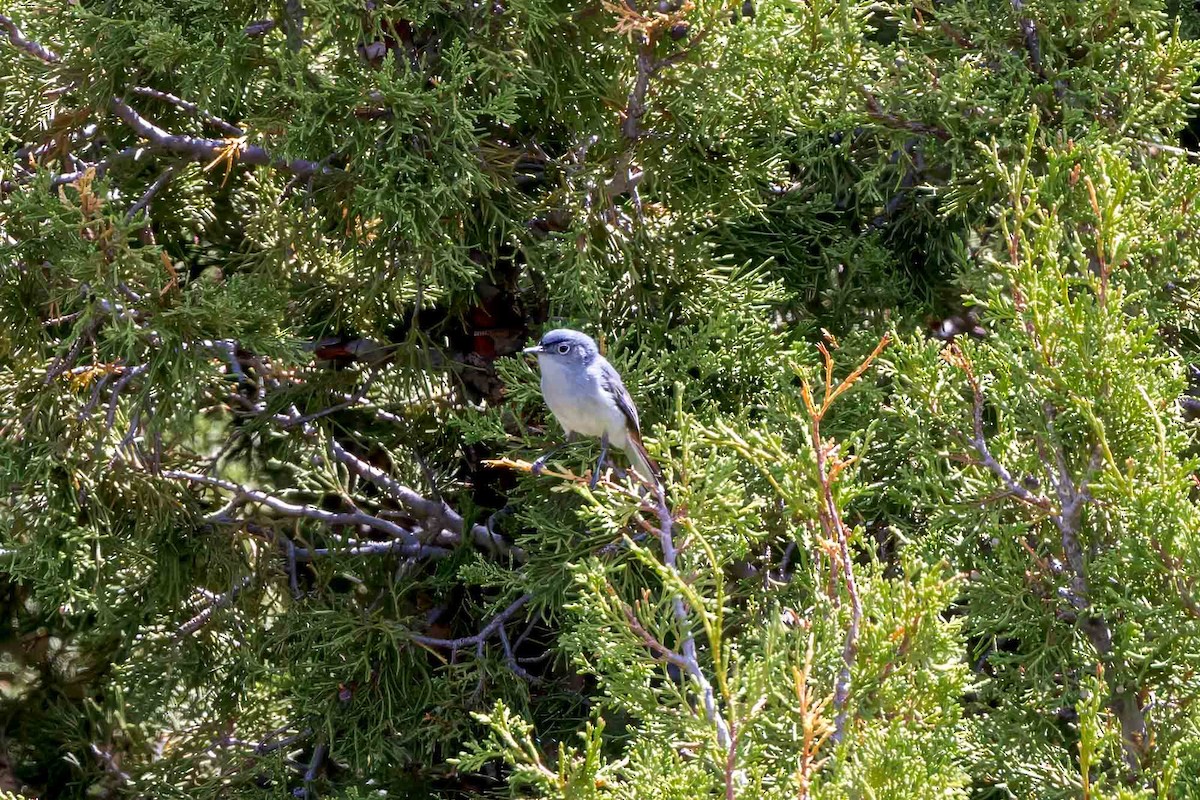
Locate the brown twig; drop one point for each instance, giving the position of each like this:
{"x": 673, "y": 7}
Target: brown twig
{"x": 816, "y": 728}
{"x": 876, "y": 112}
{"x": 832, "y": 526}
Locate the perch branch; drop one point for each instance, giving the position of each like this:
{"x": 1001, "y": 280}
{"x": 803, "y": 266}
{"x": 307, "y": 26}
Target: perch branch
{"x": 690, "y": 662}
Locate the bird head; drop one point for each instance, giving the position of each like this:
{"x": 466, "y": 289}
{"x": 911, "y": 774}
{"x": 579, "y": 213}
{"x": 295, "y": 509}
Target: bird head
{"x": 565, "y": 345}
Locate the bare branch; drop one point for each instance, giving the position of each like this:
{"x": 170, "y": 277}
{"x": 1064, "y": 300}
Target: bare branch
{"x": 351, "y": 400}
{"x": 409, "y": 544}
{"x": 979, "y": 442}
{"x": 191, "y": 108}
{"x": 314, "y": 764}
{"x": 148, "y": 195}
{"x": 128, "y": 374}
{"x": 355, "y": 548}
{"x": 20, "y": 40}
{"x": 199, "y": 149}
{"x": 436, "y": 511}
{"x": 635, "y": 106}
{"x": 217, "y": 603}
{"x": 268, "y": 746}
{"x": 293, "y": 24}
{"x": 511, "y": 659}
{"x": 484, "y": 634}
{"x": 260, "y": 28}
{"x": 665, "y": 653}
{"x": 99, "y": 168}
{"x": 1029, "y": 35}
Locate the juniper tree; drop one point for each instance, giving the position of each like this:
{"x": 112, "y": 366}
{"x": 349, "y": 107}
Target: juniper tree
{"x": 268, "y": 522}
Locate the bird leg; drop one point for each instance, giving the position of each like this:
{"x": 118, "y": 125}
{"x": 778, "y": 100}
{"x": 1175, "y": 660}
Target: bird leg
{"x": 540, "y": 463}
{"x": 599, "y": 461}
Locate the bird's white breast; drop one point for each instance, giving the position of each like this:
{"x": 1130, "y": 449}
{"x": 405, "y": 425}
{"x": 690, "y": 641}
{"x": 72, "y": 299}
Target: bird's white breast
{"x": 580, "y": 403}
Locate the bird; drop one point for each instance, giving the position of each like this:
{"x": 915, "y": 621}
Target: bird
{"x": 586, "y": 395}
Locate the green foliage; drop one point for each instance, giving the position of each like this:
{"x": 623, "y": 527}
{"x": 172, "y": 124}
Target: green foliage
{"x": 266, "y": 526}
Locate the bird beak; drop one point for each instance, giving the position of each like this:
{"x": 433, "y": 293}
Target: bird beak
{"x": 537, "y": 348}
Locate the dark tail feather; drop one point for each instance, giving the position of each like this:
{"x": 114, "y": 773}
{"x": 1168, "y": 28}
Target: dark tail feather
{"x": 641, "y": 462}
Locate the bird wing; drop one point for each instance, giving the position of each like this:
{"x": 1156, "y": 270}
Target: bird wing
{"x": 638, "y": 457}
{"x": 612, "y": 382}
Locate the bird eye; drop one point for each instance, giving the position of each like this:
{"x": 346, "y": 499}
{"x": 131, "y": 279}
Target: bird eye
{"x": 563, "y": 349}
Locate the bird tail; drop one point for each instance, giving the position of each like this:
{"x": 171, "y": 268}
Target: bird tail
{"x": 641, "y": 462}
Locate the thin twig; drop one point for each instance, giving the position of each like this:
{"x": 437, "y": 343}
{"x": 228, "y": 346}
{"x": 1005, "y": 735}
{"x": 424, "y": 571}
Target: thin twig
{"x": 356, "y": 548}
{"x": 191, "y": 108}
{"x": 876, "y": 112}
{"x": 484, "y": 634}
{"x": 216, "y": 604}
{"x": 110, "y": 763}
{"x": 511, "y": 659}
{"x": 350, "y": 401}
{"x": 306, "y": 512}
{"x": 146, "y": 197}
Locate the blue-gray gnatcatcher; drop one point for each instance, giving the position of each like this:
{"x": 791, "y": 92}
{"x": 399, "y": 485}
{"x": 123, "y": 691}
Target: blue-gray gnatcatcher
{"x": 587, "y": 396}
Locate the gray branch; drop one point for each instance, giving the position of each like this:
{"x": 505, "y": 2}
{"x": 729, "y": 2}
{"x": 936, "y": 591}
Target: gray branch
{"x": 216, "y": 604}
{"x": 196, "y": 148}
{"x": 191, "y": 108}
{"x": 690, "y": 662}
{"x": 148, "y": 195}
{"x": 408, "y": 542}
{"x": 20, "y": 40}
{"x": 1067, "y": 519}
{"x": 436, "y": 511}
{"x": 484, "y": 634}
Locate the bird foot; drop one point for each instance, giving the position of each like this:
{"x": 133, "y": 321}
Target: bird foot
{"x": 538, "y": 466}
